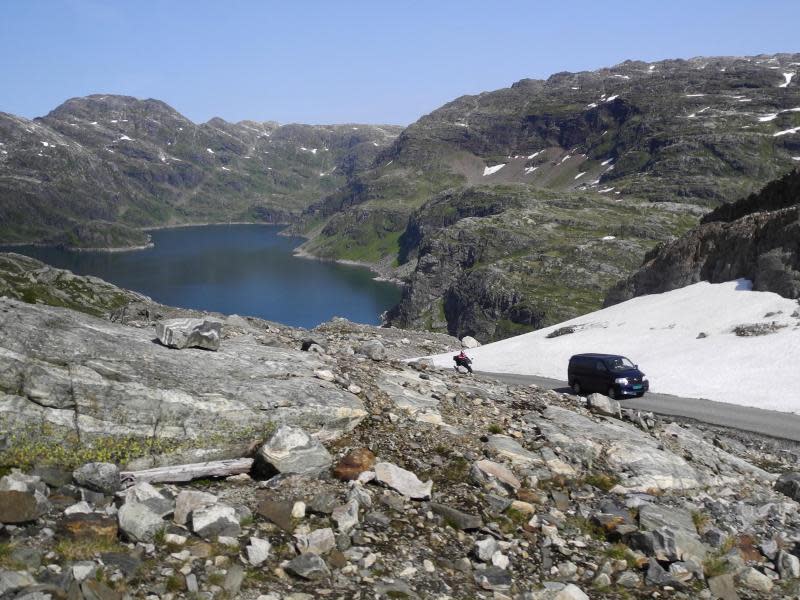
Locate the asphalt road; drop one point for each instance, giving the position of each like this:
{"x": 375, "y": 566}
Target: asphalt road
{"x": 756, "y": 420}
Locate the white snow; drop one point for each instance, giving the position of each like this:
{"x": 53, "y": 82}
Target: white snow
{"x": 607, "y": 238}
{"x": 6, "y": 152}
{"x": 651, "y": 67}
{"x": 592, "y": 105}
{"x": 113, "y": 120}
{"x": 567, "y": 157}
{"x": 612, "y": 98}
{"x": 374, "y": 143}
{"x": 788, "y": 77}
{"x": 793, "y": 158}
{"x": 745, "y": 100}
{"x": 209, "y": 150}
{"x": 46, "y": 144}
{"x": 225, "y": 169}
{"x": 124, "y": 138}
{"x": 575, "y": 88}
{"x": 390, "y": 162}
{"x": 786, "y": 132}
{"x": 622, "y": 76}
{"x": 605, "y": 162}
{"x": 494, "y": 169}
{"x": 659, "y": 333}
{"x": 579, "y": 175}
{"x": 702, "y": 110}
{"x": 93, "y": 123}
{"x": 695, "y": 95}
{"x": 768, "y": 117}
{"x": 312, "y": 150}
{"x": 605, "y": 191}
{"x": 529, "y": 170}
{"x": 595, "y": 182}
{"x": 535, "y": 154}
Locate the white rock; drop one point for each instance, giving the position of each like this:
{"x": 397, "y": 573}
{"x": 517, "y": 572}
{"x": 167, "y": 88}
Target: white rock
{"x": 299, "y": 509}
{"x": 215, "y": 520}
{"x": 258, "y": 551}
{"x": 292, "y": 450}
{"x": 346, "y": 516}
{"x": 485, "y": 548}
{"x": 405, "y": 482}
{"x": 755, "y": 580}
{"x": 571, "y": 592}
{"x": 324, "y": 374}
{"x": 189, "y": 333}
{"x": 80, "y": 508}
{"x": 500, "y": 560}
{"x": 319, "y": 541}
{"x": 469, "y": 342}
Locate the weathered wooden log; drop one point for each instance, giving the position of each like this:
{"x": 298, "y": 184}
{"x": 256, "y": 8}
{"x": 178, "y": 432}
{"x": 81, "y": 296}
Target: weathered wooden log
{"x": 178, "y": 473}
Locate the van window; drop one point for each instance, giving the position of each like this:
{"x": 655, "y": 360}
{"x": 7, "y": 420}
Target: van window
{"x": 600, "y": 366}
{"x": 620, "y": 364}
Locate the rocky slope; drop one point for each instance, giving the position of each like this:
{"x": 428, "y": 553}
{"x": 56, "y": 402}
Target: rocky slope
{"x": 755, "y": 238}
{"x": 427, "y": 484}
{"x": 697, "y": 133}
{"x": 141, "y": 163}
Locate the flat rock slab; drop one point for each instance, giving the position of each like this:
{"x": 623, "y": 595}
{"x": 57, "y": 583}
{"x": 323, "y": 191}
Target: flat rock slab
{"x": 308, "y": 566}
{"x": 278, "y": 512}
{"x": 400, "y": 480}
{"x": 456, "y": 518}
{"x": 189, "y": 333}
{"x": 511, "y": 449}
{"x": 109, "y": 379}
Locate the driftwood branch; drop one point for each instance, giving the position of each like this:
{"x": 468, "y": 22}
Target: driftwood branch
{"x": 178, "y": 473}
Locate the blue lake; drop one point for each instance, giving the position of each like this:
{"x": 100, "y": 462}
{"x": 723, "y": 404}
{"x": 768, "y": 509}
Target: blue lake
{"x": 242, "y": 269}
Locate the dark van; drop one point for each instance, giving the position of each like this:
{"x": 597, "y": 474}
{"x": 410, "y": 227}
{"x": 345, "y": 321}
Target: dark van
{"x": 609, "y": 374}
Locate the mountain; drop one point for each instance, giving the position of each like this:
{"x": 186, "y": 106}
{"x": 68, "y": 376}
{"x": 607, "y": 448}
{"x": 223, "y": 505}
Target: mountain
{"x": 497, "y": 207}
{"x": 754, "y": 238}
{"x": 141, "y": 163}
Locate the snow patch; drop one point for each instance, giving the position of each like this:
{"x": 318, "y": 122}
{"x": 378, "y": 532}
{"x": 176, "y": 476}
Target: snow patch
{"x": 390, "y": 162}
{"x": 605, "y": 162}
{"x": 659, "y": 332}
{"x": 767, "y": 118}
{"x": 529, "y": 170}
{"x": 374, "y": 143}
{"x": 535, "y": 154}
{"x": 124, "y": 138}
{"x": 607, "y": 238}
{"x": 695, "y": 95}
{"x": 209, "y": 150}
{"x": 651, "y": 68}
{"x": 699, "y": 112}
{"x": 592, "y": 105}
{"x": 788, "y": 77}
{"x": 622, "y": 76}
{"x": 46, "y": 144}
{"x": 793, "y": 158}
{"x": 225, "y": 169}
{"x": 579, "y": 175}
{"x": 567, "y": 157}
{"x": 786, "y": 132}
{"x": 494, "y": 169}
{"x": 605, "y": 191}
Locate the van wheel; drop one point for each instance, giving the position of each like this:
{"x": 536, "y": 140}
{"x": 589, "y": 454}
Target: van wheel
{"x": 576, "y": 387}
{"x": 612, "y": 393}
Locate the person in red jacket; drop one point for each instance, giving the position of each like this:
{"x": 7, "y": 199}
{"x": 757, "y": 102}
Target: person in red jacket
{"x": 462, "y": 360}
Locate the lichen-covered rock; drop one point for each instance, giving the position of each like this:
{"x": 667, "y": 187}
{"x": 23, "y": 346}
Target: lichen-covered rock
{"x": 100, "y": 477}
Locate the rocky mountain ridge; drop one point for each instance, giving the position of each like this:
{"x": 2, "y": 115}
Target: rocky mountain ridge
{"x": 140, "y": 163}
{"x": 681, "y": 136}
{"x": 383, "y": 477}
{"x": 755, "y": 238}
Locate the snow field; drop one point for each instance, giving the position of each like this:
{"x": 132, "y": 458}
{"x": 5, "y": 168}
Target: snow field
{"x": 659, "y": 332}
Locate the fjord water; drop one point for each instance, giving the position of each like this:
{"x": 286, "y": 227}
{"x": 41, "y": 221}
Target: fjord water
{"x": 247, "y": 270}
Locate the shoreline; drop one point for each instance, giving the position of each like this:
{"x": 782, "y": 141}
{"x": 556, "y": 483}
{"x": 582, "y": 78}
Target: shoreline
{"x": 379, "y": 275}
{"x": 205, "y": 224}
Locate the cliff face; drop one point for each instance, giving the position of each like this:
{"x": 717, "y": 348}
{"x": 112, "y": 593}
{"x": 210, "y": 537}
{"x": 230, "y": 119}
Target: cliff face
{"x": 763, "y": 245}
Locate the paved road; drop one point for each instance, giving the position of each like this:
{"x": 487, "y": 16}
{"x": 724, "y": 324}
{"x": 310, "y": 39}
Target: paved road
{"x": 767, "y": 422}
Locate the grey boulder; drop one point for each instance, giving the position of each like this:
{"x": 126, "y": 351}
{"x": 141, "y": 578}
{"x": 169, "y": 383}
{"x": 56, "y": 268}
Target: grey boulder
{"x": 598, "y": 403}
{"x": 292, "y": 450}
{"x": 789, "y": 485}
{"x": 373, "y": 349}
{"x": 189, "y": 333}
{"x": 216, "y": 520}
{"x": 308, "y": 566}
{"x": 98, "y": 476}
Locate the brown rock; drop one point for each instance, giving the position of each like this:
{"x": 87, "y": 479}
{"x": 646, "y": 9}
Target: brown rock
{"x": 19, "y": 507}
{"x": 353, "y": 464}
{"x": 532, "y": 496}
{"x": 336, "y": 559}
{"x": 277, "y": 511}
{"x": 201, "y": 549}
{"x": 90, "y": 527}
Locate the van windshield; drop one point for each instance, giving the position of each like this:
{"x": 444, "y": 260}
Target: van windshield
{"x": 620, "y": 364}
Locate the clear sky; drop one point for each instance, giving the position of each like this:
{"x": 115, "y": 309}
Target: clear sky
{"x": 335, "y": 61}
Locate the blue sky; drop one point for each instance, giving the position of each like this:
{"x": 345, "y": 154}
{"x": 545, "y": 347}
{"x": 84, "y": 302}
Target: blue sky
{"x": 342, "y": 61}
